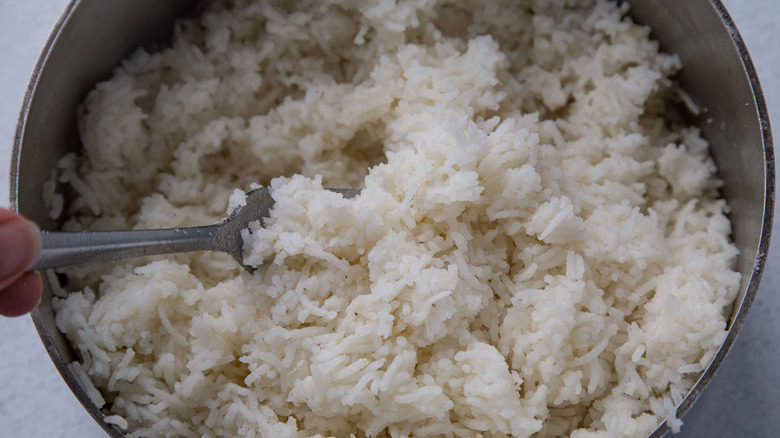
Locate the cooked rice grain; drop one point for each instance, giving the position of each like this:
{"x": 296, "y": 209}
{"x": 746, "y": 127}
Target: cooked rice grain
{"x": 536, "y": 250}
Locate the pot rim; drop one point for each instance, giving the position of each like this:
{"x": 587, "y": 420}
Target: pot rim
{"x": 735, "y": 324}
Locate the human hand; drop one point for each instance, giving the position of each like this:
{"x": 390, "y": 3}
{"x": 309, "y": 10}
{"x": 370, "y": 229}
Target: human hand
{"x": 20, "y": 290}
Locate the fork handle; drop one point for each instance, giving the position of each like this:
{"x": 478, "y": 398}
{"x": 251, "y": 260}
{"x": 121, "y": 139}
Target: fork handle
{"x": 64, "y": 249}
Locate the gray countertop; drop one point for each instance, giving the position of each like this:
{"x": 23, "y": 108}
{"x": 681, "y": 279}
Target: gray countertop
{"x": 742, "y": 401}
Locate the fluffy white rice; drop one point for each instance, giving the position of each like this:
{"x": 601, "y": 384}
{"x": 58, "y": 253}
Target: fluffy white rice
{"x": 535, "y": 251}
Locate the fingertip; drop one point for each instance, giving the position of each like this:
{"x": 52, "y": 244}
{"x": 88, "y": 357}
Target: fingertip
{"x": 21, "y": 242}
{"x": 22, "y": 295}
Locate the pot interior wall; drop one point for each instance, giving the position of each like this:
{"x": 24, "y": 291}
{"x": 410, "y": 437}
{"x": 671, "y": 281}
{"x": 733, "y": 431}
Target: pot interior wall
{"x": 90, "y": 39}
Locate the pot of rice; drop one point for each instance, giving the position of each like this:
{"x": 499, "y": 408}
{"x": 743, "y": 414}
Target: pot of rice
{"x": 564, "y": 214}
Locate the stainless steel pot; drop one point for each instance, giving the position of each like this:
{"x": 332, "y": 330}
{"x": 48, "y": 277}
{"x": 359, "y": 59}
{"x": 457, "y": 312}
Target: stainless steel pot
{"x": 92, "y": 36}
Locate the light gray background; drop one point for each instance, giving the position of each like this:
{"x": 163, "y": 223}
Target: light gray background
{"x": 742, "y": 401}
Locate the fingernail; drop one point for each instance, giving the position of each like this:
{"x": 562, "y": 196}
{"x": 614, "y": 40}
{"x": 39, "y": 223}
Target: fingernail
{"x": 37, "y": 242}
{"x": 19, "y": 245}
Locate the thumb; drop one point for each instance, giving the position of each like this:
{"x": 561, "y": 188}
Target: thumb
{"x": 19, "y": 246}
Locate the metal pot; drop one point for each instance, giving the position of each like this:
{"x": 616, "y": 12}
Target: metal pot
{"x": 92, "y": 36}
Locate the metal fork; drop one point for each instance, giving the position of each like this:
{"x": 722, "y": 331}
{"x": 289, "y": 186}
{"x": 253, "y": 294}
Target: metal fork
{"x": 64, "y": 249}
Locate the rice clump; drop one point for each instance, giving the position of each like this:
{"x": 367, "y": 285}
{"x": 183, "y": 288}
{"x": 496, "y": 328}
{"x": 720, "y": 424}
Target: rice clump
{"x": 536, "y": 251}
